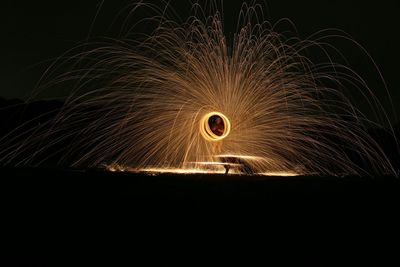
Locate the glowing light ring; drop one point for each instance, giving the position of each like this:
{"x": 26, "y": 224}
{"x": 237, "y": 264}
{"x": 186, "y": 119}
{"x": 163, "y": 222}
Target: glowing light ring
{"x": 208, "y": 133}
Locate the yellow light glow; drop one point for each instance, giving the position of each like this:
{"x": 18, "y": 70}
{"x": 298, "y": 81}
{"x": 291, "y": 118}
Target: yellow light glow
{"x": 206, "y": 130}
{"x": 240, "y": 157}
{"x": 177, "y": 171}
{"x": 205, "y": 171}
{"x": 280, "y": 173}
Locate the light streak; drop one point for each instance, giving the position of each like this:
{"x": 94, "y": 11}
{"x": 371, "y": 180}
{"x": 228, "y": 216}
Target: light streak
{"x": 146, "y": 104}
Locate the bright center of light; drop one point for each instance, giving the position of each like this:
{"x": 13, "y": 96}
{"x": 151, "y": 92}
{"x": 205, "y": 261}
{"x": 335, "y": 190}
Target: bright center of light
{"x": 215, "y": 126}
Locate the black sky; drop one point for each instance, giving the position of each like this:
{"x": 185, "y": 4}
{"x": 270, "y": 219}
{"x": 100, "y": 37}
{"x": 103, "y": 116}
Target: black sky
{"x": 34, "y": 32}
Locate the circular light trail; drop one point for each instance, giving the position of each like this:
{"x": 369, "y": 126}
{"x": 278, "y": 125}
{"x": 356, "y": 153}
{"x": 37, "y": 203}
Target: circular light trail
{"x": 215, "y": 126}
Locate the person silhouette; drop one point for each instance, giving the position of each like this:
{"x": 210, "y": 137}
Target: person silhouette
{"x": 218, "y": 126}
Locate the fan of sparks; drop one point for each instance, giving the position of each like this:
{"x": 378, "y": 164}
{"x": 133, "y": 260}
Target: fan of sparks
{"x": 187, "y": 98}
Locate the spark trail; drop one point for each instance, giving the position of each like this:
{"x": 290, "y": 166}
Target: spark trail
{"x": 185, "y": 95}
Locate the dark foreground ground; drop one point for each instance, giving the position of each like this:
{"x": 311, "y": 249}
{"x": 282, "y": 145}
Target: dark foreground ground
{"x": 56, "y": 217}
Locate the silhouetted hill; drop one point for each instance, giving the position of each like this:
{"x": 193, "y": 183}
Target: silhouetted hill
{"x": 46, "y": 212}
{"x": 14, "y": 113}
{"x": 56, "y": 217}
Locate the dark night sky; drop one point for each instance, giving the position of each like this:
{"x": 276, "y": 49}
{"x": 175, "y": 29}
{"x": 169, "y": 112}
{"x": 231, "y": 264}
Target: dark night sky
{"x": 37, "y": 31}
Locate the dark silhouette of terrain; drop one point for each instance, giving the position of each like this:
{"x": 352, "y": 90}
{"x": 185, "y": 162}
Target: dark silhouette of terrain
{"x": 54, "y": 217}
{"x": 15, "y": 113}
{"x": 58, "y": 216}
